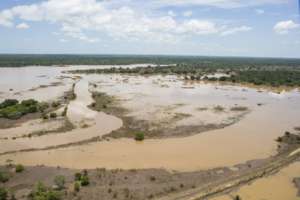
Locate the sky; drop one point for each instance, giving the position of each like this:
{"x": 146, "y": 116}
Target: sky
{"x": 255, "y": 28}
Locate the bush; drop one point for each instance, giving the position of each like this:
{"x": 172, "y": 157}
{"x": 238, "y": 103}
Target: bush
{"x": 77, "y": 186}
{"x": 139, "y": 136}
{"x": 43, "y": 106}
{"x": 3, "y": 193}
{"x": 45, "y": 116}
{"x": 53, "y": 115}
{"x": 60, "y": 182}
{"x": 64, "y": 113}
{"x": 237, "y": 197}
{"x": 55, "y": 104}
{"x": 11, "y": 109}
{"x": 29, "y": 102}
{"x": 219, "y": 109}
{"x": 85, "y": 180}
{"x": 41, "y": 192}
{"x": 19, "y": 168}
{"x": 77, "y": 176}
{"x": 4, "y": 177}
{"x": 8, "y": 102}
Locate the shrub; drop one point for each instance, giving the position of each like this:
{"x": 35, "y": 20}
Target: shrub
{"x": 77, "y": 176}
{"x": 239, "y": 108}
{"x": 139, "y": 136}
{"x": 77, "y": 186}
{"x": 64, "y": 113}
{"x": 43, "y": 106}
{"x": 8, "y": 102}
{"x": 60, "y": 182}
{"x": 85, "y": 180}
{"x": 237, "y": 197}
{"x": 53, "y": 115}
{"x": 19, "y": 168}
{"x": 45, "y": 116}
{"x": 55, "y": 104}
{"x": 219, "y": 109}
{"x": 3, "y": 193}
{"x": 41, "y": 192}
{"x": 4, "y": 177}
{"x": 287, "y": 133}
{"x": 29, "y": 102}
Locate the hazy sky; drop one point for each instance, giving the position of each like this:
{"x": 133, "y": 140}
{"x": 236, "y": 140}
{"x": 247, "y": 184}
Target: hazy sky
{"x": 187, "y": 27}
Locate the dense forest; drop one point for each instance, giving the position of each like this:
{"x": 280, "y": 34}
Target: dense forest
{"x": 17, "y": 60}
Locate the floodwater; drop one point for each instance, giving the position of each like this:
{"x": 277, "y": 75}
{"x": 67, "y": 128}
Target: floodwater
{"x": 154, "y": 99}
{"x": 276, "y": 187}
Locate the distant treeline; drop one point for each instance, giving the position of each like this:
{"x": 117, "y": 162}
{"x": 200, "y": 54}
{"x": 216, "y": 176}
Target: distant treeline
{"x": 271, "y": 75}
{"x": 18, "y": 60}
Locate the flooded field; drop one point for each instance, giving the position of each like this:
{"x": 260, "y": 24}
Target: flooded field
{"x": 230, "y": 124}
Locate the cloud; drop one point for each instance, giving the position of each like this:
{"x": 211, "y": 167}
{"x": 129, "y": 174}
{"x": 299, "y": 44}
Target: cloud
{"x": 78, "y": 19}
{"x": 6, "y": 17}
{"x": 22, "y": 26}
{"x": 235, "y": 30}
{"x": 187, "y": 13}
{"x": 259, "y": 11}
{"x": 225, "y": 4}
{"x": 284, "y": 27}
{"x": 171, "y": 13}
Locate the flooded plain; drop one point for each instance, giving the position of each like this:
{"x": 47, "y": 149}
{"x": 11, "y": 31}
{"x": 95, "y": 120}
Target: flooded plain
{"x": 156, "y": 99}
{"x": 250, "y": 118}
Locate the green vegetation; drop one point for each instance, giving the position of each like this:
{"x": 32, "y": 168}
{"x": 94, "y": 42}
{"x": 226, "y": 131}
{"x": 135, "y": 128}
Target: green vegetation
{"x": 239, "y": 108}
{"x": 237, "y": 197}
{"x": 60, "y": 182}
{"x": 19, "y": 168}
{"x": 64, "y": 113}
{"x": 219, "y": 108}
{"x": 139, "y": 136}
{"x": 53, "y": 115}
{"x": 257, "y": 73}
{"x": 12, "y": 109}
{"x": 82, "y": 178}
{"x": 3, "y": 193}
{"x": 264, "y": 77}
{"x": 18, "y": 60}
{"x": 55, "y": 104}
{"x": 4, "y": 177}
{"x": 41, "y": 192}
{"x": 77, "y": 186}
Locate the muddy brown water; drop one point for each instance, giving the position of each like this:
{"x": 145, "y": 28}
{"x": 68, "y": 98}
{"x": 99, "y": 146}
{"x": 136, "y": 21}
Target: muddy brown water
{"x": 276, "y": 187}
{"x": 251, "y": 138}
